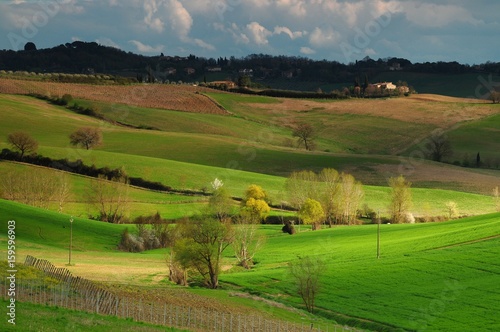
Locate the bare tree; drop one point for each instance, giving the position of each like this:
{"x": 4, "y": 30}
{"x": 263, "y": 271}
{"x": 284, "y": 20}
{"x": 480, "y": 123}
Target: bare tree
{"x": 110, "y": 199}
{"x": 330, "y": 178}
{"x": 23, "y": 142}
{"x": 496, "y": 198}
{"x": 401, "y": 200}
{"x": 301, "y": 186}
{"x": 495, "y": 96}
{"x": 305, "y": 135}
{"x": 347, "y": 201}
{"x": 37, "y": 187}
{"x": 86, "y": 137}
{"x": 247, "y": 241}
{"x": 306, "y": 273}
{"x": 439, "y": 147}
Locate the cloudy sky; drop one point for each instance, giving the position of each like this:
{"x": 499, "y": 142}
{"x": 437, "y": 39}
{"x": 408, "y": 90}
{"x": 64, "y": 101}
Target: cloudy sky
{"x": 342, "y": 30}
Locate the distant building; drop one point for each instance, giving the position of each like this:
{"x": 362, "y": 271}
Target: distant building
{"x": 170, "y": 71}
{"x": 287, "y": 74}
{"x": 222, "y": 84}
{"x": 396, "y": 66}
{"x": 189, "y": 70}
{"x": 384, "y": 85}
{"x": 214, "y": 69}
{"x": 246, "y": 72}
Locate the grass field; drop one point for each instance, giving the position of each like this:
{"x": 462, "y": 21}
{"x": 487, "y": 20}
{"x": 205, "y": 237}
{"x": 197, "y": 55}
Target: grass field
{"x": 430, "y": 276}
{"x": 433, "y": 277}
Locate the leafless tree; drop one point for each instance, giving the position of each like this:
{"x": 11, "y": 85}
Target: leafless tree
{"x": 110, "y": 199}
{"x": 305, "y": 135}
{"x": 87, "y": 137}
{"x": 306, "y": 273}
{"x": 439, "y": 147}
{"x": 23, "y": 142}
{"x": 401, "y": 200}
{"x": 247, "y": 241}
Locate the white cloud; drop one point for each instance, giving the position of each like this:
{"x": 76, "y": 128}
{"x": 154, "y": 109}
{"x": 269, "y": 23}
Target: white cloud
{"x": 307, "y": 50}
{"x": 107, "y": 42}
{"x": 324, "y": 37}
{"x": 203, "y": 44}
{"x": 180, "y": 19}
{"x": 258, "y": 34}
{"x": 293, "y": 35}
{"x": 143, "y": 48}
{"x": 151, "y": 8}
{"x": 436, "y": 16}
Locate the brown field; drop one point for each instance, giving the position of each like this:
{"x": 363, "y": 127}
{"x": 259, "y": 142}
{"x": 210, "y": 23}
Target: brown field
{"x": 171, "y": 97}
{"x": 440, "y": 111}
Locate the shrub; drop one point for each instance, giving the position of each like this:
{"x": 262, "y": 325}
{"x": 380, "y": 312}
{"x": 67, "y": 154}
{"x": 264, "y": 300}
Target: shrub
{"x": 288, "y": 228}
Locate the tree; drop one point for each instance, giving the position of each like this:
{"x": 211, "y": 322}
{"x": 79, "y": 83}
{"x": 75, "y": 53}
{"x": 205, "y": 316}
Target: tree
{"x": 244, "y": 81}
{"x": 201, "y": 246}
{"x": 330, "y": 178}
{"x": 305, "y": 135}
{"x": 254, "y": 204}
{"x": 496, "y": 198}
{"x": 452, "y": 209}
{"x": 348, "y": 198}
{"x": 478, "y": 160}
{"x": 439, "y": 147}
{"x": 495, "y": 96}
{"x": 86, "y": 137}
{"x": 311, "y": 213}
{"x": 306, "y": 273}
{"x": 23, "y": 142}
{"x": 246, "y": 241}
{"x": 401, "y": 200}
{"x": 220, "y": 203}
{"x": 110, "y": 198}
{"x": 300, "y": 186}
{"x": 30, "y": 46}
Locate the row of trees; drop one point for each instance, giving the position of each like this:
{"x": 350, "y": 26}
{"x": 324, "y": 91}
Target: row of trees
{"x": 328, "y": 196}
{"x": 335, "y": 198}
{"x": 86, "y": 137}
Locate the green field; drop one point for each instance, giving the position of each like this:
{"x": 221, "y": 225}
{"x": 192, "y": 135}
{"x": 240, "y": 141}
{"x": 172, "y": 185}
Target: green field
{"x": 432, "y": 276}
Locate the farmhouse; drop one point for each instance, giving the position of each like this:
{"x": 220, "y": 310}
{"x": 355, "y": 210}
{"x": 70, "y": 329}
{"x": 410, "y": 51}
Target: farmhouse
{"x": 384, "y": 85}
{"x": 223, "y": 84}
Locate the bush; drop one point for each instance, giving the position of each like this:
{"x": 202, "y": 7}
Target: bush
{"x": 288, "y": 228}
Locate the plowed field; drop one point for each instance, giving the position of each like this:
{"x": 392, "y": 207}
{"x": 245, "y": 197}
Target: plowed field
{"x": 171, "y": 97}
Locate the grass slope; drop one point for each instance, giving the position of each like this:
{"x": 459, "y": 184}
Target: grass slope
{"x": 431, "y": 277}
{"x": 434, "y": 277}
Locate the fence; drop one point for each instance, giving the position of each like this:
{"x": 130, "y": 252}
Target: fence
{"x": 84, "y": 295}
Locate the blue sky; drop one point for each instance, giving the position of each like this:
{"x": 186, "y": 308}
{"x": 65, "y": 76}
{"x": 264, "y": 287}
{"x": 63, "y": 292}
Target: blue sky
{"x": 341, "y": 30}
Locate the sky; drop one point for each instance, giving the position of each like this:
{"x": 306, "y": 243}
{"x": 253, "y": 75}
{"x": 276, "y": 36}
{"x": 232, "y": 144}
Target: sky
{"x": 337, "y": 30}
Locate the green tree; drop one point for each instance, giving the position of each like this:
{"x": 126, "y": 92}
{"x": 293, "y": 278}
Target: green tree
{"x": 201, "y": 246}
{"x": 220, "y": 203}
{"x": 401, "y": 199}
{"x": 244, "y": 81}
{"x": 311, "y": 213}
{"x": 306, "y": 273}
{"x": 23, "y": 142}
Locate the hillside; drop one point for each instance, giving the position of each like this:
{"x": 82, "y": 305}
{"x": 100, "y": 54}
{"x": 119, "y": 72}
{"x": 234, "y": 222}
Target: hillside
{"x": 452, "y": 262}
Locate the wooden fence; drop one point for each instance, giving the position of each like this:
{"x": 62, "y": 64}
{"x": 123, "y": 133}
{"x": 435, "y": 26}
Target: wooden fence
{"x": 84, "y": 295}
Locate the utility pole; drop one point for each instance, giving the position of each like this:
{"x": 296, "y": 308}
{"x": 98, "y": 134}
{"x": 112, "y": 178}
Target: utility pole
{"x": 378, "y": 235}
{"x": 70, "y": 238}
